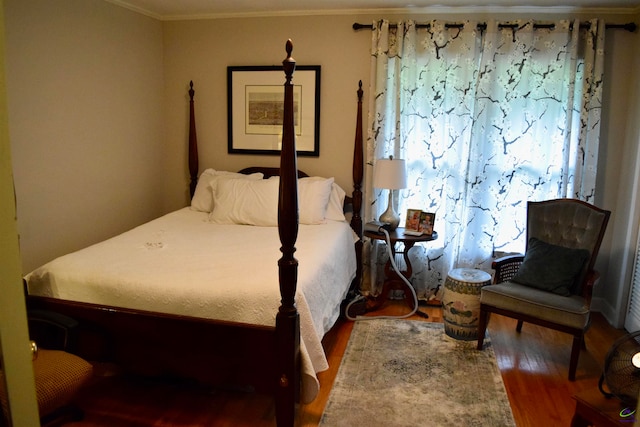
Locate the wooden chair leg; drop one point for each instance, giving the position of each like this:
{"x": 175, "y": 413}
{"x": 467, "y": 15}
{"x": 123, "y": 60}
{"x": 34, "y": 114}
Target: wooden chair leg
{"x": 483, "y": 320}
{"x": 575, "y": 354}
{"x": 519, "y": 326}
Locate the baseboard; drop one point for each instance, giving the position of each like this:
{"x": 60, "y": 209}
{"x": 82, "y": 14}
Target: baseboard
{"x": 601, "y": 306}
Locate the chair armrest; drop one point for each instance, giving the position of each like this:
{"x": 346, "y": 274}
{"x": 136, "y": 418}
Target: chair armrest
{"x": 52, "y": 330}
{"x": 590, "y": 281}
{"x": 506, "y": 267}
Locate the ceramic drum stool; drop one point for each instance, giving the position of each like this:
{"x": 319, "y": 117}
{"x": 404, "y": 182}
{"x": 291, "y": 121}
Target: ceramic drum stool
{"x": 461, "y": 302}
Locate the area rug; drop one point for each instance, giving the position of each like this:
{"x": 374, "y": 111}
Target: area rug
{"x": 410, "y": 373}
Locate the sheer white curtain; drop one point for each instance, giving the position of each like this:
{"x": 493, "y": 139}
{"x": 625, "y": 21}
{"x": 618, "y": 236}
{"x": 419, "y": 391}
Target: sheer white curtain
{"x": 487, "y": 118}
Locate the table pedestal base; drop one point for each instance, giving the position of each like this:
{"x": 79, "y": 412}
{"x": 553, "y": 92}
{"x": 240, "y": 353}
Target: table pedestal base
{"x": 376, "y": 303}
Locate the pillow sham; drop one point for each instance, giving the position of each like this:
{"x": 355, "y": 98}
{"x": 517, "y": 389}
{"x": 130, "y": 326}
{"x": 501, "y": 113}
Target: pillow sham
{"x": 256, "y": 202}
{"x": 244, "y": 201}
{"x": 550, "y": 267}
{"x": 313, "y": 199}
{"x": 203, "y": 196}
{"x": 335, "y": 207}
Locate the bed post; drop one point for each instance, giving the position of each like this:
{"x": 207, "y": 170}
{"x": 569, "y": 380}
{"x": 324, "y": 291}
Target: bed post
{"x": 358, "y": 171}
{"x": 193, "y": 144}
{"x": 287, "y": 319}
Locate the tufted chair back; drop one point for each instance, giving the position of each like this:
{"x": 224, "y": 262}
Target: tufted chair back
{"x": 570, "y": 223}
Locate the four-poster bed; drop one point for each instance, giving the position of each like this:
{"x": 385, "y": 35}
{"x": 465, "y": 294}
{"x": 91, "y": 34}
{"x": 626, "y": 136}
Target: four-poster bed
{"x": 187, "y": 333}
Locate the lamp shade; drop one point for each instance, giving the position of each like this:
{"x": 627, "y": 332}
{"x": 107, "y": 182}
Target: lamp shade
{"x": 390, "y": 173}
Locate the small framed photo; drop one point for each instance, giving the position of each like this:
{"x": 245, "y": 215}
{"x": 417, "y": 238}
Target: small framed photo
{"x": 427, "y": 219}
{"x": 413, "y": 220}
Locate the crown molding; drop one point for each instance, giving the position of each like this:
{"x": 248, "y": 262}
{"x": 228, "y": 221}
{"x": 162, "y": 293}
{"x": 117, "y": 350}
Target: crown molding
{"x": 141, "y": 11}
{"x": 430, "y": 10}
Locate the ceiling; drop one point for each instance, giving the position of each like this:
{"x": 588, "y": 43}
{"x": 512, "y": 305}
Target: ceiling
{"x": 191, "y": 9}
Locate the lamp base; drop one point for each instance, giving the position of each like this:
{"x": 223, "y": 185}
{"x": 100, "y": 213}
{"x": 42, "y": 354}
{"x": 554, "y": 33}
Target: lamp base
{"x": 390, "y": 216}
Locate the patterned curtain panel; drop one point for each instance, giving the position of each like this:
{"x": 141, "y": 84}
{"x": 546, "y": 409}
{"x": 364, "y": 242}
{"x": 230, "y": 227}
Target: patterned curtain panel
{"x": 487, "y": 118}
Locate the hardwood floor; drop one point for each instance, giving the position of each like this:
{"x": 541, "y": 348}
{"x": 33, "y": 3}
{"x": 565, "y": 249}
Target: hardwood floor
{"x": 533, "y": 363}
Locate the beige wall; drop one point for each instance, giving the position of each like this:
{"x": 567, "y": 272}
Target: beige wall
{"x": 621, "y": 176}
{"x": 202, "y": 50}
{"x": 85, "y": 81}
{"x": 99, "y": 121}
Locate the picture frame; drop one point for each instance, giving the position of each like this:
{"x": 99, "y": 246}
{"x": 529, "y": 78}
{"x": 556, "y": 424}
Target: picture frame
{"x": 427, "y": 220}
{"x": 255, "y": 102}
{"x": 419, "y": 222}
{"x": 412, "y": 222}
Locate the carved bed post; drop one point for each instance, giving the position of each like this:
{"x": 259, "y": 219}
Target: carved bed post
{"x": 287, "y": 319}
{"x": 193, "y": 144}
{"x": 358, "y": 172}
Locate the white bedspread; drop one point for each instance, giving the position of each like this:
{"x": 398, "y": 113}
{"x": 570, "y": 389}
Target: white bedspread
{"x": 182, "y": 264}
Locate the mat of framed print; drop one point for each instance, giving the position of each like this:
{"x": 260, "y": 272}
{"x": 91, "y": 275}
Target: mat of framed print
{"x": 255, "y": 100}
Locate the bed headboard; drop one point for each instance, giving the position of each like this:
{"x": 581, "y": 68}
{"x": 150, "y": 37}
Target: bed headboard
{"x": 268, "y": 172}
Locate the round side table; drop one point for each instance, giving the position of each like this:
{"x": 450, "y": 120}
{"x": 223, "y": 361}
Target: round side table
{"x": 392, "y": 280}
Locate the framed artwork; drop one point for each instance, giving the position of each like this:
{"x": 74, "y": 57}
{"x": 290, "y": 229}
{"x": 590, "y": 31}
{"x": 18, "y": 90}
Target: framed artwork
{"x": 427, "y": 220}
{"x": 255, "y": 108}
{"x": 413, "y": 220}
{"x": 419, "y": 222}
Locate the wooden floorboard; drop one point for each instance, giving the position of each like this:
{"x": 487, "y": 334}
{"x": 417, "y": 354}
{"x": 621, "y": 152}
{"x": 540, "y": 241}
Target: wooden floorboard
{"x": 533, "y": 364}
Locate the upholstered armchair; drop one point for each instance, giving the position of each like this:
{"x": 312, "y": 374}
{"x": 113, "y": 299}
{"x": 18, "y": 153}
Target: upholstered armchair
{"x": 58, "y": 374}
{"x": 551, "y": 285}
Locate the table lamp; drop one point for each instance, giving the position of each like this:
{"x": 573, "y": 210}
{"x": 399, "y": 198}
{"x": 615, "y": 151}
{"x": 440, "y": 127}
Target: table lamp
{"x": 390, "y": 174}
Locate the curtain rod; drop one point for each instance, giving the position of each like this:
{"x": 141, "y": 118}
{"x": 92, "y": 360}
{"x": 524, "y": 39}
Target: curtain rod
{"x": 631, "y": 26}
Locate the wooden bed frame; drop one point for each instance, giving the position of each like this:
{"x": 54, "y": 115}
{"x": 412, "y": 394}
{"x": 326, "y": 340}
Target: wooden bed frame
{"x": 217, "y": 352}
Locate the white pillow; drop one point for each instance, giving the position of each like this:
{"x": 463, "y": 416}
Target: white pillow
{"x": 256, "y": 202}
{"x": 315, "y": 195}
{"x": 313, "y": 198}
{"x": 335, "y": 204}
{"x": 335, "y": 207}
{"x": 243, "y": 201}
{"x": 203, "y": 196}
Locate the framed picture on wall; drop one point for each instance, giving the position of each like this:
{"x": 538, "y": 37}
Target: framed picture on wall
{"x": 255, "y": 109}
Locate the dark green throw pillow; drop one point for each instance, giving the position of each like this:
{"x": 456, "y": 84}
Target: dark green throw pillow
{"x": 550, "y": 267}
